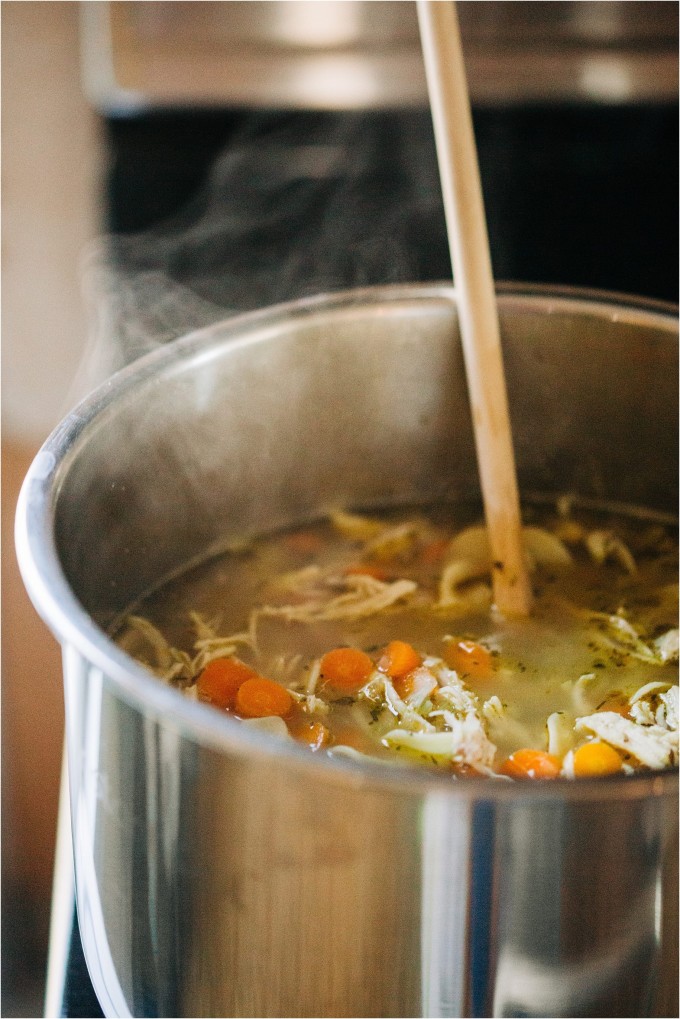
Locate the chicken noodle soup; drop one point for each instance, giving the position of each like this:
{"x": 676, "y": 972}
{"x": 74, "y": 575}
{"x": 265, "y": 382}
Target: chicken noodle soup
{"x": 376, "y": 635}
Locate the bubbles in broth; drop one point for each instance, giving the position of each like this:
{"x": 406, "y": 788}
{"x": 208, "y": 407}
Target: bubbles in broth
{"x": 375, "y": 634}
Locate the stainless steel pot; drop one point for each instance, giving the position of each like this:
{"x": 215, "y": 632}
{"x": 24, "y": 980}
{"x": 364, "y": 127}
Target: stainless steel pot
{"x": 219, "y": 874}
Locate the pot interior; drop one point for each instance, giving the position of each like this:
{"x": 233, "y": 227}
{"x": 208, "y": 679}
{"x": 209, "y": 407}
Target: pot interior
{"x": 354, "y": 401}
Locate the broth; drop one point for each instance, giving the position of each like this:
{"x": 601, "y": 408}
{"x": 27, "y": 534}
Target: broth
{"x": 587, "y": 685}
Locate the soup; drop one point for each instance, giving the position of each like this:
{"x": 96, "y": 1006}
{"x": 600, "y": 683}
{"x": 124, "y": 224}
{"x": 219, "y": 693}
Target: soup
{"x": 375, "y": 634}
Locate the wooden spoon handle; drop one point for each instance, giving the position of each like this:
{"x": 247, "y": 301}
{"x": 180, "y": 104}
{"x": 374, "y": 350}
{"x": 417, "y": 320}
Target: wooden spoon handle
{"x": 477, "y": 309}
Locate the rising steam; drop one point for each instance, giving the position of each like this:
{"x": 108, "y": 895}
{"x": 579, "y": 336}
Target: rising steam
{"x": 351, "y": 200}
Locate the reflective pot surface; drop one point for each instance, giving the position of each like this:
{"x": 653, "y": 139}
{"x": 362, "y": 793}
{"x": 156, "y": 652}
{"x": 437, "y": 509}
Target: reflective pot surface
{"x": 223, "y": 874}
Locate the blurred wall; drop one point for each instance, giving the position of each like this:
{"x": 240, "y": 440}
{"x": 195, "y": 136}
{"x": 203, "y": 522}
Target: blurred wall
{"x": 50, "y": 170}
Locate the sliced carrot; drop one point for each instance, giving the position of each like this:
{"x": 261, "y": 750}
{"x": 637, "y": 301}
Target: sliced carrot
{"x": 311, "y": 732}
{"x": 531, "y": 764}
{"x": 596, "y": 759}
{"x": 405, "y": 685}
{"x": 398, "y": 659}
{"x": 417, "y": 684}
{"x": 468, "y": 658}
{"x": 221, "y": 679}
{"x": 345, "y": 669}
{"x": 261, "y": 698}
{"x": 366, "y": 570}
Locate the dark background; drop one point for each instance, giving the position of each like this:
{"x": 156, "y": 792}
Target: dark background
{"x": 584, "y": 196}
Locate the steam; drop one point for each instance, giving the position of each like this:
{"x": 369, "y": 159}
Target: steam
{"x": 291, "y": 207}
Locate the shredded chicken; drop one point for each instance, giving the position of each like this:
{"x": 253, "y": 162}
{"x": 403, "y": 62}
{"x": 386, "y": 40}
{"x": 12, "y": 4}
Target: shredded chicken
{"x": 464, "y": 741}
{"x": 144, "y": 640}
{"x": 139, "y": 630}
{"x": 170, "y": 664}
{"x": 667, "y": 646}
{"x": 671, "y": 700}
{"x": 581, "y": 692}
{"x": 428, "y": 712}
{"x": 655, "y": 704}
{"x": 363, "y": 596}
{"x": 652, "y": 745}
{"x": 560, "y": 729}
{"x": 408, "y": 717}
{"x": 616, "y": 632}
{"x": 455, "y": 697}
{"x": 310, "y": 703}
{"x": 455, "y": 730}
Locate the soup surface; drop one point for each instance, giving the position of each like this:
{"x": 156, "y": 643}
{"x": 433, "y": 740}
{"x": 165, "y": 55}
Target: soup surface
{"x": 376, "y": 635}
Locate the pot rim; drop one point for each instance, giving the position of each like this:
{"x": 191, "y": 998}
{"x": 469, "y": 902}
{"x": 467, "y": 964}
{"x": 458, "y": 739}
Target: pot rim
{"x": 73, "y": 627}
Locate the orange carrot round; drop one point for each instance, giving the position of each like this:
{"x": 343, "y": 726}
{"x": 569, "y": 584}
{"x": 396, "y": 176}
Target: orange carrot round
{"x": 531, "y": 764}
{"x": 398, "y": 659}
{"x": 596, "y": 759}
{"x": 419, "y": 680}
{"x": 468, "y": 658}
{"x": 311, "y": 732}
{"x": 404, "y": 685}
{"x": 220, "y": 680}
{"x": 259, "y": 697}
{"x": 346, "y": 669}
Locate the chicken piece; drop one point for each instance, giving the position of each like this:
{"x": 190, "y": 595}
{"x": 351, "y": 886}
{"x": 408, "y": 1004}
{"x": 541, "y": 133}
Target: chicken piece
{"x": 464, "y": 741}
{"x": 363, "y": 596}
{"x": 652, "y": 745}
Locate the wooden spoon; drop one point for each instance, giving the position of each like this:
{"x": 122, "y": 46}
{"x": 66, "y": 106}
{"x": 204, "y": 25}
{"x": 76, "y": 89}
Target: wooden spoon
{"x": 477, "y": 310}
